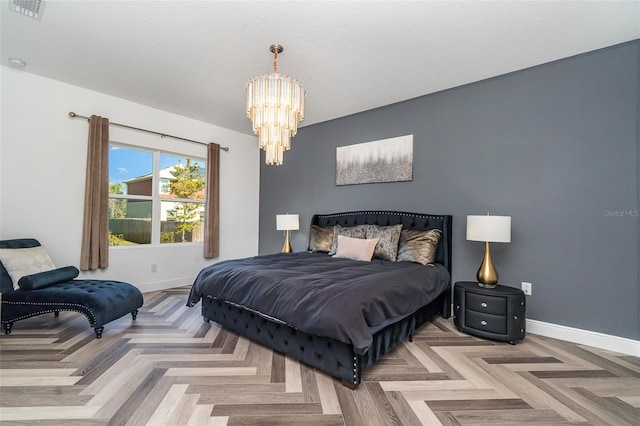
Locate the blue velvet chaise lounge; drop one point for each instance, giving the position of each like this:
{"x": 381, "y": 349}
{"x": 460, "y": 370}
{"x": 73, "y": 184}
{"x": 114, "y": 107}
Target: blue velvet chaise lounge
{"x": 101, "y": 301}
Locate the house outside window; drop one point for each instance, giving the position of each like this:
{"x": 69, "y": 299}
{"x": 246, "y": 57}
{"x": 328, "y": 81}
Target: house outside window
{"x": 155, "y": 197}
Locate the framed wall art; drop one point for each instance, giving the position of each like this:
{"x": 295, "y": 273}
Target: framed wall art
{"x": 385, "y": 160}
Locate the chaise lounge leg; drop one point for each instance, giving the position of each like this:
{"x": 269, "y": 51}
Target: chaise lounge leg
{"x": 98, "y": 331}
{"x": 7, "y": 327}
{"x": 134, "y": 314}
{"x": 56, "y": 313}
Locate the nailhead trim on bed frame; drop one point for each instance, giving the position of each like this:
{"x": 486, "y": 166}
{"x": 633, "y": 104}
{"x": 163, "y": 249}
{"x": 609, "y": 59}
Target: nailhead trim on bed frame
{"x": 382, "y": 212}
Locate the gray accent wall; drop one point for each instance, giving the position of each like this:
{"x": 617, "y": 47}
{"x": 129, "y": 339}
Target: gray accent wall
{"x": 556, "y": 147}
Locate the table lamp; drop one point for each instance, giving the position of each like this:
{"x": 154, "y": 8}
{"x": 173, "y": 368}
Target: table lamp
{"x": 287, "y": 223}
{"x": 495, "y": 229}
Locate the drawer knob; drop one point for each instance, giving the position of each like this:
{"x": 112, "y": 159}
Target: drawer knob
{"x": 484, "y": 305}
{"x": 515, "y": 317}
{"x": 483, "y": 322}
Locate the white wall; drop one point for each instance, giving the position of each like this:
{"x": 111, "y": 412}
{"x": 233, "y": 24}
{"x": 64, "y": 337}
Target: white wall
{"x": 42, "y": 177}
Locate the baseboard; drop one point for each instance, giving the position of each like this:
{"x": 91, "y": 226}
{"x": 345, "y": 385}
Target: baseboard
{"x": 164, "y": 285}
{"x": 585, "y": 337}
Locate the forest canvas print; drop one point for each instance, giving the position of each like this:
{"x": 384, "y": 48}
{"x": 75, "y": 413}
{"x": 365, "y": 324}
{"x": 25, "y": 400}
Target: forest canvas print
{"x": 386, "y": 160}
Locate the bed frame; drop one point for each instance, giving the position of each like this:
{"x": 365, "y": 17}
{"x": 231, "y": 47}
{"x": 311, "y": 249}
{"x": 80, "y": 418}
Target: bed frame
{"x": 331, "y": 356}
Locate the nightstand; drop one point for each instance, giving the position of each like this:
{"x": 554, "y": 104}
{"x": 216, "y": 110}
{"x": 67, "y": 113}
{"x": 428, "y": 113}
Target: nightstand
{"x": 494, "y": 313}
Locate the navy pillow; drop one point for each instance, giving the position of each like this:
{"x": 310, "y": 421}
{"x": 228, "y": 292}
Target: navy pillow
{"x": 47, "y": 278}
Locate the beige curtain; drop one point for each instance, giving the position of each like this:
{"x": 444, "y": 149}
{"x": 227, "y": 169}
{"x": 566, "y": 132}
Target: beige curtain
{"x": 212, "y": 219}
{"x": 94, "y": 252}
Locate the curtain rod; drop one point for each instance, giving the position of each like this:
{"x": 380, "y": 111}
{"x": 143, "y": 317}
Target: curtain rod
{"x": 74, "y": 115}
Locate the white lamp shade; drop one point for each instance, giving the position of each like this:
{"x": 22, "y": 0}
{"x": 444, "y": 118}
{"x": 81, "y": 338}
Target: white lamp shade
{"x": 287, "y": 222}
{"x": 495, "y": 229}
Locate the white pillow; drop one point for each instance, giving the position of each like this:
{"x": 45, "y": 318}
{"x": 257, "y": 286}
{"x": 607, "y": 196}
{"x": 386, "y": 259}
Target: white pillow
{"x": 355, "y": 248}
{"x": 25, "y": 261}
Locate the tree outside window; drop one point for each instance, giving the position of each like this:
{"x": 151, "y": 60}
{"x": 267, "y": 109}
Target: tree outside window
{"x": 187, "y": 183}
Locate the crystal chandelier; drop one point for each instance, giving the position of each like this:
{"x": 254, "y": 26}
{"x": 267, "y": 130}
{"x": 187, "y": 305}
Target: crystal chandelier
{"x": 275, "y": 106}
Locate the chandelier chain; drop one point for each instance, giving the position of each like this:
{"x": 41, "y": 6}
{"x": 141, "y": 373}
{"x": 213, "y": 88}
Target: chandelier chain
{"x": 275, "y": 49}
{"x": 275, "y": 62}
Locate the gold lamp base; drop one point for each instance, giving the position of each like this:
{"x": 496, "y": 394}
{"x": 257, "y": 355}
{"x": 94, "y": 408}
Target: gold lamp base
{"x": 286, "y": 248}
{"x": 487, "y": 275}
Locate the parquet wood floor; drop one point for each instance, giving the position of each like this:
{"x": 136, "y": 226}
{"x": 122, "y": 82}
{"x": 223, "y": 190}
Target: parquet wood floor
{"x": 171, "y": 368}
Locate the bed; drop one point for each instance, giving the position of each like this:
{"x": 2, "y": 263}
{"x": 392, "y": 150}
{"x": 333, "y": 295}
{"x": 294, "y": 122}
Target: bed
{"x": 338, "y": 315}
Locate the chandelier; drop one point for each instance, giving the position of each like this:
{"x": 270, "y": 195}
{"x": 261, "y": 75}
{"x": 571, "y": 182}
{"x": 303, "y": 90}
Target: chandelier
{"x": 275, "y": 106}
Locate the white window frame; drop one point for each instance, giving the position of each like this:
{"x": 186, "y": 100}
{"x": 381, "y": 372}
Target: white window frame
{"x": 156, "y": 201}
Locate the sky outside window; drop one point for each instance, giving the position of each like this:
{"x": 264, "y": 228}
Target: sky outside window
{"x": 128, "y": 163}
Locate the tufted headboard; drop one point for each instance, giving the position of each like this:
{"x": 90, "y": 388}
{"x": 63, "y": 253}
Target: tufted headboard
{"x": 418, "y": 221}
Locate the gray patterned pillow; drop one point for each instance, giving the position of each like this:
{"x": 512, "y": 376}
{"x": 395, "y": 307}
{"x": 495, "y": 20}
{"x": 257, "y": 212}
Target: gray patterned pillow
{"x": 388, "y": 236}
{"x": 358, "y": 231}
{"x": 320, "y": 239}
{"x": 418, "y": 246}
{"x": 25, "y": 261}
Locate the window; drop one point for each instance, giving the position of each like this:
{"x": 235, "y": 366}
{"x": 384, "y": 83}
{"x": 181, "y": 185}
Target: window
{"x": 165, "y": 187}
{"x": 155, "y": 197}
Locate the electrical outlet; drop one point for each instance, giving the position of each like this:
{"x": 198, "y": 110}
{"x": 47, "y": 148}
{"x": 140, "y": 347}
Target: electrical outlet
{"x": 526, "y": 288}
{"x": 154, "y": 267}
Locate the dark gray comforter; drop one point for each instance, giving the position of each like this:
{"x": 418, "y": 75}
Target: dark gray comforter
{"x": 321, "y": 295}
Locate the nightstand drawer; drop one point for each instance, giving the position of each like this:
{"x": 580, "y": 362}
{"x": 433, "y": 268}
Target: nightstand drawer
{"x": 485, "y": 322}
{"x": 496, "y": 305}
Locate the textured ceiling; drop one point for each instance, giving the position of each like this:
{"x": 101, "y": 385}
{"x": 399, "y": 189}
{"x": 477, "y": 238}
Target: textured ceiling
{"x": 193, "y": 58}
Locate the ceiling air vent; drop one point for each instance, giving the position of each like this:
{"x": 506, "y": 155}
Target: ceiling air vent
{"x": 30, "y": 8}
